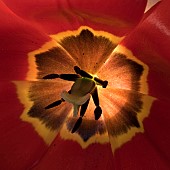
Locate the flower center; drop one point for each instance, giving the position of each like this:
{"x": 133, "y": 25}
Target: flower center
{"x": 85, "y": 86}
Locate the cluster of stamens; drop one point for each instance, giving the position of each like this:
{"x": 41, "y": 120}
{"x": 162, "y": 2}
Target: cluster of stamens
{"x": 85, "y": 86}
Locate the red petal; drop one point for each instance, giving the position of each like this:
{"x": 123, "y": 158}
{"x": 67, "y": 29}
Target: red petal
{"x": 150, "y": 149}
{"x": 150, "y": 43}
{"x": 114, "y": 16}
{"x": 69, "y": 155}
{"x": 18, "y": 37}
{"x": 20, "y": 146}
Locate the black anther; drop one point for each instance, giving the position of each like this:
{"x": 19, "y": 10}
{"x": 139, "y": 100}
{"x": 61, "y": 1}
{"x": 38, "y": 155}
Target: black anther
{"x": 101, "y": 82}
{"x": 84, "y": 108}
{"x": 82, "y": 72}
{"x": 77, "y": 69}
{"x": 51, "y": 76}
{"x": 95, "y": 97}
{"x": 77, "y": 124}
{"x": 97, "y": 112}
{"x": 56, "y": 103}
{"x": 69, "y": 77}
{"x": 105, "y": 83}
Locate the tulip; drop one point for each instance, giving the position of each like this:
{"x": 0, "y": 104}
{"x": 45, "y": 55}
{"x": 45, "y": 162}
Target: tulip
{"x": 84, "y": 87}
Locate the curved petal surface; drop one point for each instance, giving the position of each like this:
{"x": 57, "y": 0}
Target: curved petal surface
{"x": 152, "y": 39}
{"x": 69, "y": 155}
{"x": 150, "y": 43}
{"x": 17, "y": 39}
{"x": 57, "y": 16}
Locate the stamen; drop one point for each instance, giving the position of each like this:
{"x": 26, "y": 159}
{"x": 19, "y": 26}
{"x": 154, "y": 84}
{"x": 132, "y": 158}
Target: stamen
{"x": 95, "y": 97}
{"x": 98, "y": 110}
{"x": 56, "y": 103}
{"x": 80, "y": 93}
{"x": 82, "y": 72}
{"x": 77, "y": 125}
{"x": 103, "y": 83}
{"x": 84, "y": 108}
{"x": 69, "y": 77}
{"x": 51, "y": 76}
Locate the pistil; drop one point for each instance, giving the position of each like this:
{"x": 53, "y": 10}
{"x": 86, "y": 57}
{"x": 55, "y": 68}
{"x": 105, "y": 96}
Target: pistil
{"x": 85, "y": 86}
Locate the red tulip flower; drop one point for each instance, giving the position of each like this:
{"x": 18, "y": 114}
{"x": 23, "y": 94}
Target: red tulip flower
{"x": 84, "y": 85}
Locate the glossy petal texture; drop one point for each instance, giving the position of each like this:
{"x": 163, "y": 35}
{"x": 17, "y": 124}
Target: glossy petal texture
{"x": 150, "y": 43}
{"x": 117, "y": 17}
{"x": 150, "y": 4}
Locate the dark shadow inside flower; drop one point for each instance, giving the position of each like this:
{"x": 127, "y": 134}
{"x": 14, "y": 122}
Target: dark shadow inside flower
{"x": 61, "y": 94}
